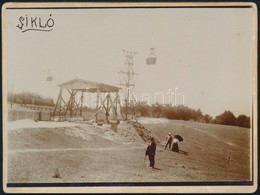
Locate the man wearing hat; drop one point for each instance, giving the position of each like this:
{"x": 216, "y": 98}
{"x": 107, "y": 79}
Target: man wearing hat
{"x": 152, "y": 152}
{"x": 169, "y": 141}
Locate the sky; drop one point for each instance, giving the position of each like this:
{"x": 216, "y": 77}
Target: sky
{"x": 206, "y": 54}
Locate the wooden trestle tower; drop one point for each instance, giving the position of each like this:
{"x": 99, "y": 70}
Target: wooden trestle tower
{"x": 77, "y": 87}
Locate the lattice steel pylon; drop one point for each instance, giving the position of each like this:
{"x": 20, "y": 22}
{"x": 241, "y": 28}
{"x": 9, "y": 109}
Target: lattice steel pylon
{"x": 128, "y": 77}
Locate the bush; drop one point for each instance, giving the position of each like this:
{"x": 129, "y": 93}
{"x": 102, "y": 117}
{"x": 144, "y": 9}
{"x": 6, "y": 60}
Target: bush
{"x": 208, "y": 118}
{"x": 226, "y": 118}
{"x": 243, "y": 121}
{"x": 166, "y": 111}
{"x": 185, "y": 113}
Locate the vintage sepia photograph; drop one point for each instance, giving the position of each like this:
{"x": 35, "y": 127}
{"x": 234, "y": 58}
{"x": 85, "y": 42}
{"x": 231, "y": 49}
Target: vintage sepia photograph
{"x": 129, "y": 97}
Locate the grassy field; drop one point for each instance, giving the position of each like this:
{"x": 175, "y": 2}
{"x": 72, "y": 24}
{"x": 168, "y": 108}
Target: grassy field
{"x": 89, "y": 153}
{"x": 206, "y": 149}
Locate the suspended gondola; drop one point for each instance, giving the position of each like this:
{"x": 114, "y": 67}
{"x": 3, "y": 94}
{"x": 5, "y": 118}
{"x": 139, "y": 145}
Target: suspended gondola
{"x": 151, "y": 60}
{"x": 49, "y": 77}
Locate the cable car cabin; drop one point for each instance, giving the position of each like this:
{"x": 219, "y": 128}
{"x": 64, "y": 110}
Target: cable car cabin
{"x": 152, "y": 57}
{"x": 151, "y": 60}
{"x": 49, "y": 78}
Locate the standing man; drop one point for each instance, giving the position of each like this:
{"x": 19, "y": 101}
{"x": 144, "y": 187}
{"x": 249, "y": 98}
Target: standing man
{"x": 169, "y": 141}
{"x": 152, "y": 152}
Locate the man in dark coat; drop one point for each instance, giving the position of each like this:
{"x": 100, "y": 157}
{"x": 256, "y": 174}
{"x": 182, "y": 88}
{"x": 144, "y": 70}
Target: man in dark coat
{"x": 152, "y": 152}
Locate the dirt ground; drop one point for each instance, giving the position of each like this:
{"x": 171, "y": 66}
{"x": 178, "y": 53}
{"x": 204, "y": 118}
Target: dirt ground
{"x": 91, "y": 153}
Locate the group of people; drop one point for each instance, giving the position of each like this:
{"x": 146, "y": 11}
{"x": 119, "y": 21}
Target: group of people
{"x": 150, "y": 151}
{"x": 175, "y": 141}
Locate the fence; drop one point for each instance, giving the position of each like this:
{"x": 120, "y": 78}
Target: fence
{"x": 35, "y": 107}
{"x": 32, "y": 114}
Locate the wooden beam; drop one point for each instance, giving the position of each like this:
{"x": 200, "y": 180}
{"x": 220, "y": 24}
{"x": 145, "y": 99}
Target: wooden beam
{"x": 97, "y": 106}
{"x": 107, "y": 109}
{"x": 56, "y": 105}
{"x": 81, "y": 103}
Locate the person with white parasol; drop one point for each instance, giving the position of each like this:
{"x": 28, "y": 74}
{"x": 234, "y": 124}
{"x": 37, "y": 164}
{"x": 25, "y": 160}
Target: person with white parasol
{"x": 175, "y": 146}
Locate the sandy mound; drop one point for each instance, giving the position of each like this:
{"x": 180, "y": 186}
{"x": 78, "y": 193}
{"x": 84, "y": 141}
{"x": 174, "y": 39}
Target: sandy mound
{"x": 49, "y": 135}
{"x": 129, "y": 133}
{"x": 143, "y": 132}
{"x": 126, "y": 131}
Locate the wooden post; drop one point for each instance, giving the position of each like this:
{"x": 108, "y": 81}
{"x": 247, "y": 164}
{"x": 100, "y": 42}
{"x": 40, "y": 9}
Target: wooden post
{"x": 117, "y": 101}
{"x": 107, "y": 109}
{"x": 58, "y": 104}
{"x": 68, "y": 104}
{"x": 228, "y": 159}
{"x": 97, "y": 106}
{"x": 113, "y": 107}
{"x": 81, "y": 103}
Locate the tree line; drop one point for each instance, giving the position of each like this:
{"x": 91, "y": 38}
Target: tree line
{"x": 30, "y": 98}
{"x": 156, "y": 110}
{"x": 182, "y": 112}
